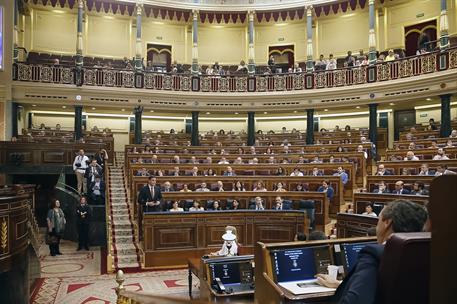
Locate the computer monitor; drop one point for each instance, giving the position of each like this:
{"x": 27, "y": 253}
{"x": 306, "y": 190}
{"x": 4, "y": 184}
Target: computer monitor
{"x": 299, "y": 264}
{"x": 232, "y": 272}
{"x": 350, "y": 254}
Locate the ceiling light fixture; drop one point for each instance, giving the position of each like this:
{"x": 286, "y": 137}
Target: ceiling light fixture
{"x": 325, "y": 110}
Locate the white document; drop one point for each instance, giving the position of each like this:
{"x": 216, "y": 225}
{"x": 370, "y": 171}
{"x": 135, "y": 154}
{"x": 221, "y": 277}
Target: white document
{"x": 305, "y": 287}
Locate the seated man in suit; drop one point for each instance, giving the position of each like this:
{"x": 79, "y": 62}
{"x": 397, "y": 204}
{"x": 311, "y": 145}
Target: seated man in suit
{"x": 326, "y": 188}
{"x": 399, "y": 188}
{"x": 361, "y": 283}
{"x": 92, "y": 171}
{"x": 419, "y": 189}
{"x": 167, "y": 187}
{"x": 258, "y": 204}
{"x": 97, "y": 191}
{"x": 382, "y": 188}
{"x": 425, "y": 170}
{"x": 150, "y": 196}
{"x": 279, "y": 204}
{"x": 382, "y": 171}
{"x": 229, "y": 172}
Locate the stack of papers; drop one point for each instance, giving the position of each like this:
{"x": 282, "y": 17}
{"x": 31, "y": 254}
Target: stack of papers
{"x": 305, "y": 287}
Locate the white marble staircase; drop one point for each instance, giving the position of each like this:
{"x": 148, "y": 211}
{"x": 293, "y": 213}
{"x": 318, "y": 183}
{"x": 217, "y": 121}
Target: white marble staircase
{"x": 124, "y": 249}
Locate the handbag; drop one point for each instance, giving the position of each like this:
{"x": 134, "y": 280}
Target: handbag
{"x": 51, "y": 239}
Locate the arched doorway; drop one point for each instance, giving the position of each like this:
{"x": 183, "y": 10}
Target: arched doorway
{"x": 414, "y": 32}
{"x": 160, "y": 56}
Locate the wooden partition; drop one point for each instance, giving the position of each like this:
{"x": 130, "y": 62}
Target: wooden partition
{"x": 390, "y": 180}
{"x": 268, "y": 292}
{"x": 45, "y": 153}
{"x": 422, "y": 154}
{"x": 362, "y": 199}
{"x": 413, "y": 166}
{"x": 244, "y": 198}
{"x": 424, "y": 143}
{"x": 249, "y": 182}
{"x": 420, "y": 134}
{"x": 259, "y": 170}
{"x": 354, "y": 225}
{"x": 171, "y": 238}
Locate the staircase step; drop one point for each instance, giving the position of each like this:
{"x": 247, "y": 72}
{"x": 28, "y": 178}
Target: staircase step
{"x": 119, "y": 231}
{"x": 121, "y": 239}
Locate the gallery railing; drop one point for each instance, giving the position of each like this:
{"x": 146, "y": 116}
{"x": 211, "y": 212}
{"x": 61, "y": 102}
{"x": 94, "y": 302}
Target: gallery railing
{"x": 428, "y": 63}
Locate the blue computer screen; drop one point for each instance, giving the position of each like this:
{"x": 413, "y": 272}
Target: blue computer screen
{"x": 351, "y": 253}
{"x": 297, "y": 264}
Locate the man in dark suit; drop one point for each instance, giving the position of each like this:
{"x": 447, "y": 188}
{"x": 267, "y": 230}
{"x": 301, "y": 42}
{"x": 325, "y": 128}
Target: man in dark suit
{"x": 150, "y": 196}
{"x": 279, "y": 204}
{"x": 97, "y": 191}
{"x": 399, "y": 188}
{"x": 361, "y": 283}
{"x": 93, "y": 170}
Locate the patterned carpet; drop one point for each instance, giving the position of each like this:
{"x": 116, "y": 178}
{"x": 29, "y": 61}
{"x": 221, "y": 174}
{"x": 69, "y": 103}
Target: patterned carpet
{"x": 74, "y": 278}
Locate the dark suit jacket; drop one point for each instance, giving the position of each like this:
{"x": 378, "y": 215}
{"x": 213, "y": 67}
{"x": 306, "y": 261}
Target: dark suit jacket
{"x": 145, "y": 195}
{"x": 360, "y": 285}
{"x": 385, "y": 190}
{"x": 405, "y": 191}
{"x": 284, "y": 207}
{"x": 102, "y": 188}
{"x": 88, "y": 173}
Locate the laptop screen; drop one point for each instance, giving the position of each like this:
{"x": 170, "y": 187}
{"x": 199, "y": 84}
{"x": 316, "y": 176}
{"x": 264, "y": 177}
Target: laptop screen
{"x": 299, "y": 264}
{"x": 351, "y": 254}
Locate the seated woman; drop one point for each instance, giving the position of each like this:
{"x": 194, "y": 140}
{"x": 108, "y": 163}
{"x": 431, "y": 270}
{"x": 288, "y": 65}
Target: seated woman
{"x": 185, "y": 189}
{"x": 238, "y": 186}
{"x": 196, "y": 207}
{"x": 369, "y": 210}
{"x": 235, "y": 205}
{"x": 259, "y": 187}
{"x": 216, "y": 206}
{"x": 175, "y": 207}
{"x": 280, "y": 187}
{"x": 361, "y": 283}
{"x": 230, "y": 246}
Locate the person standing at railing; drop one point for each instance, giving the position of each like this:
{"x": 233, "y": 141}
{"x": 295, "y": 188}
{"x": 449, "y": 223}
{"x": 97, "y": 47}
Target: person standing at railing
{"x": 390, "y": 56}
{"x": 56, "y": 226}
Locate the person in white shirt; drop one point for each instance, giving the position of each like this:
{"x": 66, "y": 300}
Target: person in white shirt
{"x": 203, "y": 188}
{"x": 440, "y": 155}
{"x": 79, "y": 167}
{"x": 223, "y": 161}
{"x": 296, "y": 172}
{"x": 410, "y": 156}
{"x": 360, "y": 149}
{"x": 453, "y": 134}
{"x": 196, "y": 207}
{"x": 331, "y": 63}
{"x": 443, "y": 170}
{"x": 176, "y": 208}
{"x": 258, "y": 204}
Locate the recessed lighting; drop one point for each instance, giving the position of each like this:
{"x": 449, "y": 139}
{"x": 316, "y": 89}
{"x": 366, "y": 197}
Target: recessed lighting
{"x": 295, "y": 111}
{"x": 151, "y": 111}
{"x": 123, "y": 110}
{"x": 207, "y": 113}
{"x": 358, "y": 107}
{"x": 428, "y": 99}
{"x": 93, "y": 108}
{"x": 391, "y": 104}
{"x": 236, "y": 113}
{"x": 33, "y": 105}
{"x": 265, "y": 112}
{"x": 325, "y": 110}
{"x": 64, "y": 107}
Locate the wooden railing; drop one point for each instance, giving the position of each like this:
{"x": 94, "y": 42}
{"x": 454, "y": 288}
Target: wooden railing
{"x": 386, "y": 71}
{"x": 109, "y": 235}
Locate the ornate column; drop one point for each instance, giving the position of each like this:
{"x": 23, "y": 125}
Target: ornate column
{"x": 138, "y": 111}
{"x": 445, "y": 128}
{"x": 79, "y": 39}
{"x": 194, "y": 67}
{"x": 251, "y": 53}
{"x": 138, "y": 48}
{"x": 251, "y": 128}
{"x": 310, "y": 126}
{"x": 309, "y": 39}
{"x": 444, "y": 26}
{"x": 79, "y": 59}
{"x": 194, "y": 136}
{"x": 373, "y": 125}
{"x": 78, "y": 122}
{"x": 371, "y": 33}
{"x": 16, "y": 32}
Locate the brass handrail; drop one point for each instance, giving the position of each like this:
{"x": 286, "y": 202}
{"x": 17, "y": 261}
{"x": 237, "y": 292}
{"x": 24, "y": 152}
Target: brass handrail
{"x": 34, "y": 232}
{"x": 109, "y": 256}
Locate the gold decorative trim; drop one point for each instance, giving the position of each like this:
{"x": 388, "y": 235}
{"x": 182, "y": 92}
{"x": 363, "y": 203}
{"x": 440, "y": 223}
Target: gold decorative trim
{"x": 421, "y": 31}
{"x": 280, "y": 52}
{"x": 4, "y": 235}
{"x": 158, "y": 51}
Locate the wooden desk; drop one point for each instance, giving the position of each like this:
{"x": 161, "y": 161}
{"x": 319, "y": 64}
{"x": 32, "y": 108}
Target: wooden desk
{"x": 354, "y": 225}
{"x": 194, "y": 267}
{"x": 170, "y": 239}
{"x": 390, "y": 180}
{"x": 413, "y": 166}
{"x": 267, "y": 291}
{"x": 422, "y": 154}
{"x": 362, "y": 199}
